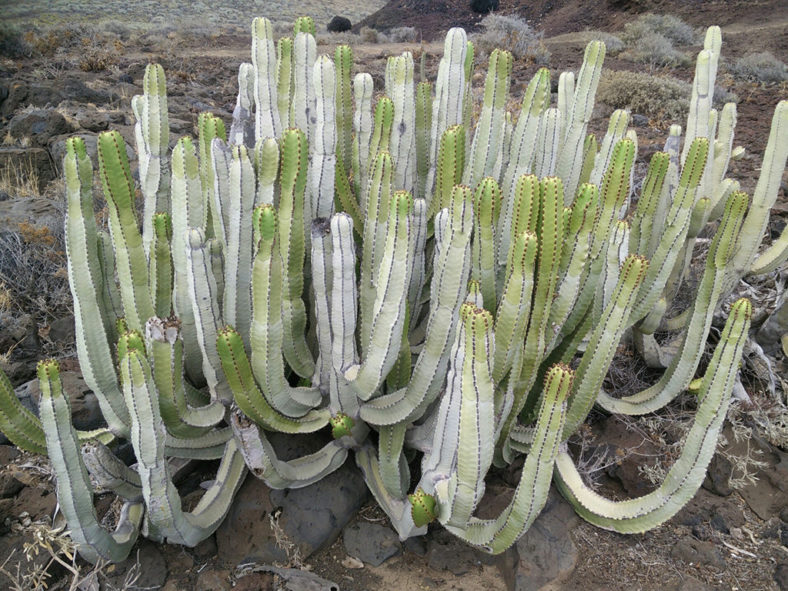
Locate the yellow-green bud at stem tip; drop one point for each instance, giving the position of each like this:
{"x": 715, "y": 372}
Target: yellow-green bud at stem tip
{"x": 422, "y": 508}
{"x": 130, "y": 341}
{"x": 401, "y": 204}
{"x": 264, "y": 218}
{"x": 47, "y": 367}
{"x": 477, "y": 320}
{"x": 341, "y": 425}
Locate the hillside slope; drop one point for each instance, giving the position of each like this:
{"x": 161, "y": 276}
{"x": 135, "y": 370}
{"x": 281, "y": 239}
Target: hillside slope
{"x": 555, "y": 17}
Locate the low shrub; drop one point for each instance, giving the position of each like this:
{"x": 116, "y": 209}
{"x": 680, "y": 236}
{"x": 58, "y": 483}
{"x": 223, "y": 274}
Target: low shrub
{"x": 370, "y": 35}
{"x": 657, "y": 97}
{"x": 513, "y": 34}
{"x": 46, "y": 42}
{"x": 403, "y": 35}
{"x": 393, "y": 35}
{"x": 656, "y": 50}
{"x": 12, "y": 41}
{"x": 671, "y": 27}
{"x": 98, "y": 56}
{"x": 613, "y": 44}
{"x": 759, "y": 67}
{"x": 722, "y": 96}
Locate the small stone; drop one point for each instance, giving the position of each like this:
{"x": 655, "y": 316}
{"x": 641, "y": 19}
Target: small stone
{"x": 692, "y": 551}
{"x": 784, "y": 514}
{"x": 180, "y": 126}
{"x": 371, "y": 543}
{"x": 352, "y": 562}
{"x": 639, "y": 120}
{"x": 198, "y": 106}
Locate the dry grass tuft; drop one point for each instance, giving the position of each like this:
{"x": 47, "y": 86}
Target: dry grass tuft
{"x": 20, "y": 179}
{"x": 33, "y": 273}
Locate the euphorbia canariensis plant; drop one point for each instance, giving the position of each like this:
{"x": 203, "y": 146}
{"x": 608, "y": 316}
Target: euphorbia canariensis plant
{"x": 416, "y": 284}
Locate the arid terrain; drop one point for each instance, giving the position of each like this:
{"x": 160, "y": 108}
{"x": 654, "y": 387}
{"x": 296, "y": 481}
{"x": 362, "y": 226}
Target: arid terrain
{"x": 81, "y": 80}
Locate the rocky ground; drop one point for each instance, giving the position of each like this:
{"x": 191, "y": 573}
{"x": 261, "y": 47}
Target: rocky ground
{"x": 331, "y": 535}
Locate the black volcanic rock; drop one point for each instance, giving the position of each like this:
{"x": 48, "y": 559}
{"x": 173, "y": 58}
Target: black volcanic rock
{"x": 484, "y": 6}
{"x": 339, "y": 24}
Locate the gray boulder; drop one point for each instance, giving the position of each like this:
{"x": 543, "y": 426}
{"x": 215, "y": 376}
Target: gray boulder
{"x": 311, "y": 518}
{"x": 371, "y": 543}
{"x": 38, "y": 126}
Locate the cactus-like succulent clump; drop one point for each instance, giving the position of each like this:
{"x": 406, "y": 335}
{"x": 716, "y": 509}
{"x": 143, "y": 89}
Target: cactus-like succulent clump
{"x": 419, "y": 281}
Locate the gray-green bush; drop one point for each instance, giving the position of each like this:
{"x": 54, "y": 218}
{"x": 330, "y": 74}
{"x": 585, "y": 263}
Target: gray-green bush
{"x": 669, "y": 26}
{"x": 402, "y": 35}
{"x": 613, "y": 43}
{"x": 656, "y": 50}
{"x": 659, "y": 97}
{"x": 760, "y": 67}
{"x": 512, "y": 34}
